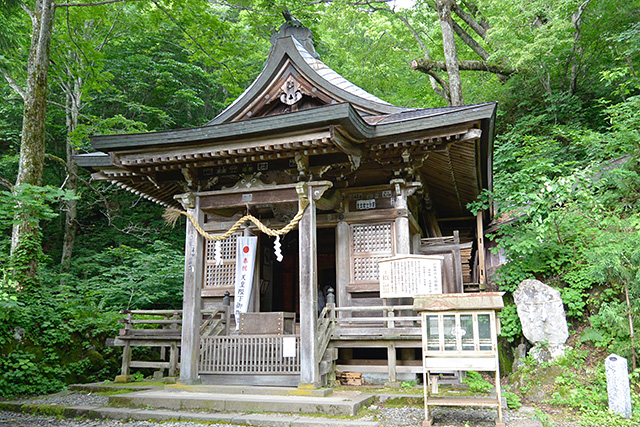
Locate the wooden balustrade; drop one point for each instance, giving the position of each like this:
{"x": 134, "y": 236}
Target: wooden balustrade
{"x": 160, "y": 328}
{"x": 248, "y": 354}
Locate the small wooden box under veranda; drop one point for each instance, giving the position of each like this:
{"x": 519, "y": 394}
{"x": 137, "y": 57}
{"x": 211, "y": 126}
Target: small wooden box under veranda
{"x": 460, "y": 332}
{"x": 274, "y": 323}
{"x": 410, "y": 275}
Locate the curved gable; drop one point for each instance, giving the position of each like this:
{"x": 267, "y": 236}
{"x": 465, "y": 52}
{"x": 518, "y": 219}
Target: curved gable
{"x": 294, "y": 79}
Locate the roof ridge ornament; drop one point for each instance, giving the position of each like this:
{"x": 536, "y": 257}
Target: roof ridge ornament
{"x": 294, "y": 28}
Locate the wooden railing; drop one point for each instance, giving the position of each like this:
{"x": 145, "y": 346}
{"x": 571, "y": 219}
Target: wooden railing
{"x": 161, "y": 328}
{"x": 385, "y": 321}
{"x": 384, "y": 326}
{"x": 326, "y": 326}
{"x": 216, "y": 322}
{"x": 248, "y": 354}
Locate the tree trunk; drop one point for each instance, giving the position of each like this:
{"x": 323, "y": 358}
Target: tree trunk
{"x": 74, "y": 96}
{"x": 480, "y": 29}
{"x": 450, "y": 53}
{"x": 438, "y": 85}
{"x": 425, "y": 65}
{"x": 631, "y": 331}
{"x": 576, "y": 49}
{"x": 24, "y": 249}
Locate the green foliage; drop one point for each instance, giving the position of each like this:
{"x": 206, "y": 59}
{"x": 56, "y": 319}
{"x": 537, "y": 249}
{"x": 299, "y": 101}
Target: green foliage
{"x": 52, "y": 338}
{"x": 408, "y": 385}
{"x": 137, "y": 376}
{"x": 510, "y": 326}
{"x": 32, "y": 203}
{"x": 128, "y": 278}
{"x": 571, "y": 383}
{"x": 573, "y": 196}
{"x": 543, "y": 418}
{"x": 21, "y": 374}
{"x": 476, "y": 383}
{"x": 605, "y": 418}
{"x": 513, "y": 400}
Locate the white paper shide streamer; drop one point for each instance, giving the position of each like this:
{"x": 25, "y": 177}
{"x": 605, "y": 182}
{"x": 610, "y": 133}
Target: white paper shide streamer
{"x": 277, "y": 249}
{"x": 217, "y": 253}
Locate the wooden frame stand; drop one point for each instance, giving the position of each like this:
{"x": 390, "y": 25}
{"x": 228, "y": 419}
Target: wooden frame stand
{"x": 459, "y": 332}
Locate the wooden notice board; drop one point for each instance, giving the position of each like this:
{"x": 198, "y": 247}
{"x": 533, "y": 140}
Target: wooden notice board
{"x": 410, "y": 275}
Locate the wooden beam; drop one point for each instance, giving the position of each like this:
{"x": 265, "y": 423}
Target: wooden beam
{"x": 249, "y": 198}
{"x": 459, "y": 218}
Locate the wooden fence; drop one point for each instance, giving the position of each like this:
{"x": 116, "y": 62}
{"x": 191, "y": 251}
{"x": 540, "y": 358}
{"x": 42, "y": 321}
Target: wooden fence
{"x": 161, "y": 328}
{"x": 248, "y": 354}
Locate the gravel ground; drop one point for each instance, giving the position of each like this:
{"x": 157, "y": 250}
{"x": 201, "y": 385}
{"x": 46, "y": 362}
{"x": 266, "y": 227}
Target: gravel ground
{"x": 23, "y": 420}
{"x": 387, "y": 416}
{"x": 69, "y": 398}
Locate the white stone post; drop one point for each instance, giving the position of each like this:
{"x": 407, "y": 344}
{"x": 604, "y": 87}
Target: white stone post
{"x": 617, "y": 372}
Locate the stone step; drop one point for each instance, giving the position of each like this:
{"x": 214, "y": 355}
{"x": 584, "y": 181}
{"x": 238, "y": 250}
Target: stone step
{"x": 242, "y": 389}
{"x": 137, "y": 414}
{"x": 343, "y": 403}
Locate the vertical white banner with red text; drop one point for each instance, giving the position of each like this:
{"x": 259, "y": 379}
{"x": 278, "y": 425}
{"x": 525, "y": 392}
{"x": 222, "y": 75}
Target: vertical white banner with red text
{"x": 245, "y": 263}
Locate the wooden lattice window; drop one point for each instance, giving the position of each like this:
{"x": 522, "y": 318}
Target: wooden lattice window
{"x": 369, "y": 243}
{"x": 225, "y": 273}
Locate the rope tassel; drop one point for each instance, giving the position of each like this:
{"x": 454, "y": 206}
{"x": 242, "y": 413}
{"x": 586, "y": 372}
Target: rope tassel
{"x": 171, "y": 215}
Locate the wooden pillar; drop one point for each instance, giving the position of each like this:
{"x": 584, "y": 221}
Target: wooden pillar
{"x": 126, "y": 361}
{"x": 482, "y": 274}
{"x": 309, "y": 368}
{"x": 173, "y": 359}
{"x": 125, "y": 371}
{"x": 392, "y": 364}
{"x": 254, "y": 298}
{"x": 402, "y": 232}
{"x": 191, "y": 316}
{"x": 307, "y": 245}
{"x": 416, "y": 242}
{"x": 343, "y": 264}
{"x": 403, "y": 241}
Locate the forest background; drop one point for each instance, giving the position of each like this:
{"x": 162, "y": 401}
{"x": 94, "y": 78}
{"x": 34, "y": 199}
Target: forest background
{"x": 566, "y": 161}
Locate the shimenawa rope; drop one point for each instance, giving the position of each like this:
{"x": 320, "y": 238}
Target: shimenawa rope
{"x": 171, "y": 215}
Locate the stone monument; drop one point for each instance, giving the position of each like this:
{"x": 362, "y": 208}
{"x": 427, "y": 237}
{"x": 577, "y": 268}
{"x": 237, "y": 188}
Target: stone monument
{"x": 543, "y": 319}
{"x": 618, "y": 388}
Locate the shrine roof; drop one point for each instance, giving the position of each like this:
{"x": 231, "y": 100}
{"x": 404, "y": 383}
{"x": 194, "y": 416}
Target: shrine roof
{"x": 298, "y": 106}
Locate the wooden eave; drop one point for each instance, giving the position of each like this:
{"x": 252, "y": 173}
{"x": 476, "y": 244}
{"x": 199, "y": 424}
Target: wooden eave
{"x": 343, "y": 115}
{"x": 452, "y": 147}
{"x": 93, "y": 160}
{"x": 285, "y": 51}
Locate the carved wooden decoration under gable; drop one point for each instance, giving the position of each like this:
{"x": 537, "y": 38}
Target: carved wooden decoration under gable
{"x": 290, "y": 91}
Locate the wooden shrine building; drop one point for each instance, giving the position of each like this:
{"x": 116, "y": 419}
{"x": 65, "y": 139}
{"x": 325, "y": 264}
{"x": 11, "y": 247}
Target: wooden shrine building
{"x": 379, "y": 181}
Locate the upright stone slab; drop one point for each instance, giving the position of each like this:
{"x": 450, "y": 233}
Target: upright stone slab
{"x": 541, "y": 312}
{"x": 543, "y": 320}
{"x": 618, "y": 388}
